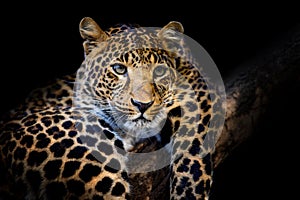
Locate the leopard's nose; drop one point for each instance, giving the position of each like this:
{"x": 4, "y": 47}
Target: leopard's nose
{"x": 141, "y": 105}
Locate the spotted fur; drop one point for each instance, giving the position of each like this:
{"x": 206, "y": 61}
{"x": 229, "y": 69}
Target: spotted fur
{"x": 71, "y": 139}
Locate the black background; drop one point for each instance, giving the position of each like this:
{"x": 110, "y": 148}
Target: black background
{"x": 36, "y": 47}
{"x": 40, "y": 44}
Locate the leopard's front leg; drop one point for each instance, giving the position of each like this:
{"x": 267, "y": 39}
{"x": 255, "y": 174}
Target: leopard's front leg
{"x": 191, "y": 177}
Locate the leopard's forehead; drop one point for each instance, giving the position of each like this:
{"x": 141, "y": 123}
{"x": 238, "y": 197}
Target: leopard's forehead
{"x": 126, "y": 39}
{"x": 118, "y": 28}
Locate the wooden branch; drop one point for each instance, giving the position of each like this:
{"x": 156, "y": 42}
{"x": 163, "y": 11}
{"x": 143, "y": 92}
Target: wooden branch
{"x": 250, "y": 87}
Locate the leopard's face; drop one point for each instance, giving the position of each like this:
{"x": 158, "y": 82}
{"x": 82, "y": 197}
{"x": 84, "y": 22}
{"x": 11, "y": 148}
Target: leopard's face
{"x": 140, "y": 94}
{"x": 136, "y": 95}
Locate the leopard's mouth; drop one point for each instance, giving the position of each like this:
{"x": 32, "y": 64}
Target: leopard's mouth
{"x": 141, "y": 118}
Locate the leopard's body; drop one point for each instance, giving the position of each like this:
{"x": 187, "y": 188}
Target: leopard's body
{"x": 73, "y": 138}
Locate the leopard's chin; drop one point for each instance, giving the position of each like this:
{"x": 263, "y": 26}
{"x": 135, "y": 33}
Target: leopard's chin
{"x": 140, "y": 128}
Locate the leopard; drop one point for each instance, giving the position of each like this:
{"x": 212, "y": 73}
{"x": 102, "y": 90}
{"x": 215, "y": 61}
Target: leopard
{"x": 137, "y": 105}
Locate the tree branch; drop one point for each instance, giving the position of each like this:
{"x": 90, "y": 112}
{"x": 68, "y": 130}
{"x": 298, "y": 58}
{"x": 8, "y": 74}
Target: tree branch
{"x": 249, "y": 90}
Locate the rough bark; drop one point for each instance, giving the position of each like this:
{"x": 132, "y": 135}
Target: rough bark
{"x": 249, "y": 90}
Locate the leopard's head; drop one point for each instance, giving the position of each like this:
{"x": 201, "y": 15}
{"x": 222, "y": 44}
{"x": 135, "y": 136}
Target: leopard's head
{"x": 134, "y": 77}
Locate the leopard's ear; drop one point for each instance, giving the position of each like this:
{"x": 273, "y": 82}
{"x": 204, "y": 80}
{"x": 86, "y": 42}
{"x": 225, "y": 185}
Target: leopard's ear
{"x": 171, "y": 36}
{"x": 91, "y": 33}
{"x": 174, "y": 26}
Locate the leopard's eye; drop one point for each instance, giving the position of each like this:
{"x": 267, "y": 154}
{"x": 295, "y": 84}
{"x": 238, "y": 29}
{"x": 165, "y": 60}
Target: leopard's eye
{"x": 159, "y": 71}
{"x": 119, "y": 69}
